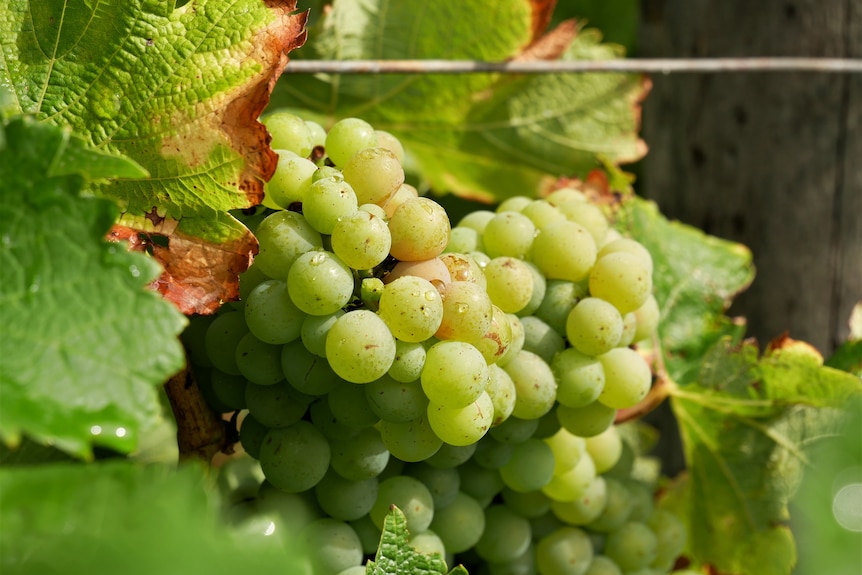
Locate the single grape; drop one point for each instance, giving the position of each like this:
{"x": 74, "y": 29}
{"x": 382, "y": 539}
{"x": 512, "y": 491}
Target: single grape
{"x": 251, "y": 434}
{"x": 605, "y": 448}
{"x": 507, "y": 535}
{"x": 535, "y": 385}
{"x": 571, "y": 484}
{"x": 541, "y": 339}
{"x": 317, "y": 132}
{"x": 221, "y": 340}
{"x": 671, "y": 537}
{"x": 530, "y": 504}
{"x": 396, "y": 401}
{"x": 374, "y": 174}
{"x": 410, "y": 496}
{"x": 509, "y": 283}
{"x": 602, "y": 565}
{"x": 566, "y": 551}
{"x": 314, "y": 329}
{"x": 258, "y": 361}
{"x": 587, "y": 215}
{"x": 291, "y": 181}
{"x": 404, "y": 193}
{"x": 433, "y": 270}
{"x": 467, "y": 311}
{"x": 462, "y": 425}
{"x": 617, "y": 509}
{"x": 360, "y": 347}
{"x": 632, "y": 546}
{"x": 515, "y": 430}
{"x": 594, "y": 326}
{"x": 460, "y": 524}
{"x": 409, "y": 361}
{"x": 442, "y": 483}
{"x": 349, "y": 405}
{"x": 580, "y": 378}
{"x": 325, "y": 421}
{"x": 361, "y": 239}
{"x": 283, "y": 237}
{"x": 391, "y": 143}
{"x": 288, "y": 132}
{"x": 229, "y": 389}
{"x": 477, "y": 220}
{"x": 275, "y": 405}
{"x": 567, "y": 449}
{"x": 412, "y": 308}
{"x": 585, "y": 507}
{"x": 344, "y": 499}
{"x": 332, "y": 545}
{"x": 508, "y": 233}
{"x": 327, "y": 201}
{"x": 492, "y": 454}
{"x": 627, "y": 378}
{"x": 588, "y": 420}
{"x": 502, "y": 390}
{"x": 565, "y": 251}
{"x": 517, "y": 344}
{"x": 542, "y": 213}
{"x": 194, "y": 337}
{"x": 296, "y": 510}
{"x": 531, "y": 466}
{"x": 563, "y": 195}
{"x": 560, "y": 297}
{"x": 411, "y": 441}
{"x": 647, "y": 317}
{"x": 514, "y": 204}
{"x": 360, "y": 457}
{"x": 480, "y": 483}
{"x": 622, "y": 279}
{"x": 306, "y": 372}
{"x": 420, "y": 230}
{"x": 463, "y": 239}
{"x": 319, "y": 283}
{"x": 464, "y": 268}
{"x": 347, "y": 137}
{"x": 270, "y": 313}
{"x": 294, "y": 458}
{"x": 455, "y": 374}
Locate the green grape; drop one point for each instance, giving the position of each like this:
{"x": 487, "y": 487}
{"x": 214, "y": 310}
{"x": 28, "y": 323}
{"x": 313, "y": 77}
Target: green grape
{"x": 306, "y": 372}
{"x": 248, "y": 280}
{"x": 375, "y": 210}
{"x": 288, "y": 132}
{"x": 563, "y": 195}
{"x": 420, "y": 230}
{"x": 515, "y": 430}
{"x": 374, "y": 173}
{"x": 194, "y": 338}
{"x": 542, "y": 213}
{"x": 229, "y": 389}
{"x": 259, "y": 362}
{"x": 507, "y": 535}
{"x": 370, "y": 291}
{"x": 332, "y": 545}
{"x": 531, "y": 466}
{"x": 621, "y": 279}
{"x": 632, "y": 546}
{"x": 360, "y": 457}
{"x": 442, "y": 482}
{"x": 350, "y": 407}
{"x": 566, "y": 551}
{"x": 571, "y": 484}
{"x": 481, "y": 484}
{"x": 294, "y": 458}
{"x": 647, "y": 317}
{"x": 477, "y": 220}
{"x": 588, "y": 420}
{"x": 296, "y": 510}
{"x": 283, "y": 237}
{"x": 601, "y": 565}
{"x": 324, "y": 420}
{"x": 433, "y": 270}
{"x": 541, "y": 339}
{"x": 391, "y": 143}
{"x": 203, "y": 380}
{"x": 402, "y": 194}
{"x": 496, "y": 341}
{"x": 327, "y": 201}
{"x": 326, "y": 172}
{"x": 222, "y": 338}
{"x": 530, "y": 504}
{"x": 270, "y": 313}
{"x": 347, "y": 137}
{"x": 275, "y": 405}
{"x": 585, "y": 507}
{"x": 509, "y": 283}
{"x": 548, "y": 425}
{"x": 524, "y": 564}
{"x": 560, "y": 297}
{"x": 455, "y": 374}
{"x": 540, "y": 286}
{"x": 464, "y": 268}
{"x": 670, "y": 535}
{"x": 396, "y": 401}
{"x": 627, "y": 378}
{"x": 344, "y": 499}
{"x": 580, "y": 378}
{"x": 514, "y": 204}
{"x": 502, "y": 390}
{"x": 594, "y": 326}
{"x": 411, "y": 441}
{"x": 319, "y": 283}
{"x": 251, "y": 434}
{"x": 587, "y": 215}
{"x": 368, "y": 534}
{"x": 428, "y": 543}
{"x": 492, "y": 454}
{"x": 617, "y": 508}
{"x": 451, "y": 455}
{"x": 605, "y": 449}
{"x": 460, "y": 524}
{"x": 412, "y": 308}
{"x": 629, "y": 246}
{"x": 291, "y": 181}
{"x": 463, "y": 239}
{"x": 642, "y": 500}
{"x": 314, "y": 329}
{"x": 517, "y": 343}
{"x": 623, "y": 467}
{"x": 462, "y": 425}
{"x": 317, "y": 132}
{"x": 565, "y": 251}
{"x": 629, "y": 330}
{"x": 508, "y": 233}
{"x": 410, "y": 496}
{"x": 535, "y": 385}
{"x": 361, "y": 239}
{"x": 360, "y": 347}
{"x": 567, "y": 449}
{"x": 409, "y": 361}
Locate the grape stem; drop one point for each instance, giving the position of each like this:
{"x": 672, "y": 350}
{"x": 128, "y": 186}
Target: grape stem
{"x": 659, "y": 391}
{"x": 201, "y": 433}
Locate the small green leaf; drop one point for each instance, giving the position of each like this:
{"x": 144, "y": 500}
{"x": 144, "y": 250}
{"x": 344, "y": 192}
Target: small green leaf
{"x": 395, "y": 556}
{"x": 85, "y": 344}
{"x": 124, "y": 518}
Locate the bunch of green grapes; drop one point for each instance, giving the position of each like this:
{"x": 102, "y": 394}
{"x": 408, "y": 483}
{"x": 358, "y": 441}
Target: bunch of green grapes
{"x": 469, "y": 375}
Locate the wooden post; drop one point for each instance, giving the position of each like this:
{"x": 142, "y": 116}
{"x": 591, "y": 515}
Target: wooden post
{"x": 772, "y": 160}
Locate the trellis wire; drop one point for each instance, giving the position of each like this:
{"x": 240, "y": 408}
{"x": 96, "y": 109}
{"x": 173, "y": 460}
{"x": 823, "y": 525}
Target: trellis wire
{"x": 642, "y": 65}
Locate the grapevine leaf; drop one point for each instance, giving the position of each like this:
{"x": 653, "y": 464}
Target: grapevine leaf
{"x": 395, "y": 556}
{"x": 749, "y": 426}
{"x": 84, "y": 343}
{"x": 484, "y": 136}
{"x": 177, "y": 90}
{"x": 695, "y": 278}
{"x": 123, "y": 518}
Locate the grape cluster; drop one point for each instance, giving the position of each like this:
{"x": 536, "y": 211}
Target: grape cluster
{"x": 469, "y": 375}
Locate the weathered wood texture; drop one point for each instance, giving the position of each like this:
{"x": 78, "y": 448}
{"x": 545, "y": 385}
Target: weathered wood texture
{"x": 770, "y": 160}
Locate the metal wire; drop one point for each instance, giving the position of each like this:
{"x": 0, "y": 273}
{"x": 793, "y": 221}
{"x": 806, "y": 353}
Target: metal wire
{"x": 642, "y": 65}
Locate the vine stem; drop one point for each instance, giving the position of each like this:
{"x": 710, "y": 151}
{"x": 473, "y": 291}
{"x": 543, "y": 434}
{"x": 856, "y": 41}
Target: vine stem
{"x": 661, "y": 389}
{"x": 635, "y": 65}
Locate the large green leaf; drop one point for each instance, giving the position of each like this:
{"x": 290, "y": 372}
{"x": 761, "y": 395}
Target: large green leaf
{"x": 177, "y": 90}
{"x": 487, "y": 136}
{"x": 749, "y": 426}
{"x": 125, "y": 518}
{"x": 84, "y": 343}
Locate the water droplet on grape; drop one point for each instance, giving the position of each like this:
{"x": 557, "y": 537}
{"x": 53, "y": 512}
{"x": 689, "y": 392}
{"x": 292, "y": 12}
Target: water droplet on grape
{"x": 462, "y": 308}
{"x": 318, "y": 259}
